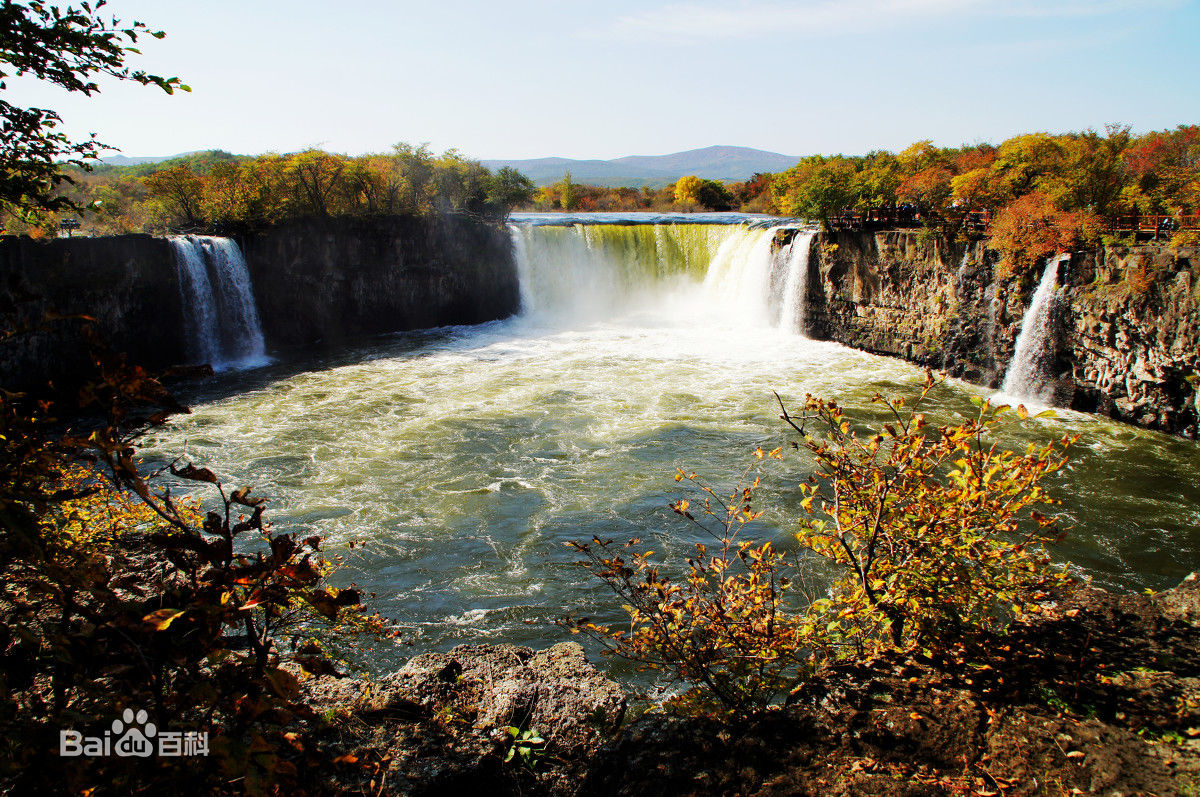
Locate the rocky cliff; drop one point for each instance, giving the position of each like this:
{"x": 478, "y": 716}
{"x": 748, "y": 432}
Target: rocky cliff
{"x": 128, "y": 284}
{"x": 1125, "y": 336}
{"x": 337, "y": 279}
{"x": 320, "y": 281}
{"x": 1095, "y": 694}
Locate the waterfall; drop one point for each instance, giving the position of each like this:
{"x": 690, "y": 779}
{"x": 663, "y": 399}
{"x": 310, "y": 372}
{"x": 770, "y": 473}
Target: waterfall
{"x": 579, "y": 272}
{"x": 794, "y": 316}
{"x": 1028, "y": 374}
{"x": 221, "y": 320}
{"x": 738, "y": 281}
{"x": 591, "y": 272}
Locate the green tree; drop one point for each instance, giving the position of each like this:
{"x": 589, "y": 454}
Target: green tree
{"x": 414, "y": 167}
{"x": 1091, "y": 177}
{"x": 715, "y": 195}
{"x": 817, "y": 188}
{"x": 876, "y": 183}
{"x": 66, "y": 47}
{"x": 508, "y": 189}
{"x": 461, "y": 183}
{"x": 568, "y": 194}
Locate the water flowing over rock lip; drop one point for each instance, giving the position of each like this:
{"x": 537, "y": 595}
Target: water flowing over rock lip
{"x": 220, "y": 313}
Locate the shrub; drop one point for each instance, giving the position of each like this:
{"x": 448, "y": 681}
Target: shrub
{"x": 725, "y": 625}
{"x": 935, "y": 528}
{"x": 118, "y": 595}
{"x": 933, "y": 534}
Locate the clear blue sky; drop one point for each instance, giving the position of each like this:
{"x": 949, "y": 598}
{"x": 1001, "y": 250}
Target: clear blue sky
{"x": 529, "y": 78}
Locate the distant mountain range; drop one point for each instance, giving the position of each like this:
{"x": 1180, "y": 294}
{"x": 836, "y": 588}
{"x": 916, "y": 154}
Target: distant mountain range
{"x": 713, "y": 163}
{"x": 122, "y": 160}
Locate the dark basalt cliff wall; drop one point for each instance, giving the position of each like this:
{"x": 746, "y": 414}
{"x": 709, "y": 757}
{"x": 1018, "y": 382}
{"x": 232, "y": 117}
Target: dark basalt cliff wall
{"x": 332, "y": 280}
{"x": 1126, "y": 325}
{"x": 324, "y": 280}
{"x": 128, "y": 284}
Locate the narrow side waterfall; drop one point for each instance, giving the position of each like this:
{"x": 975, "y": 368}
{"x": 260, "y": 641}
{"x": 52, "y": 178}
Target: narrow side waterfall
{"x": 1028, "y": 375}
{"x": 221, "y": 317}
{"x": 593, "y": 272}
{"x": 794, "y": 315}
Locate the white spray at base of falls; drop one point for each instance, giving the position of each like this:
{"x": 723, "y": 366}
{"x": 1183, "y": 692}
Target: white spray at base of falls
{"x": 1027, "y": 377}
{"x": 583, "y": 273}
{"x": 221, "y": 320}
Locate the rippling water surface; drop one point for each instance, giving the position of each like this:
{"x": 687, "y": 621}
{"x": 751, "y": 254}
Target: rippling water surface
{"x": 466, "y": 457}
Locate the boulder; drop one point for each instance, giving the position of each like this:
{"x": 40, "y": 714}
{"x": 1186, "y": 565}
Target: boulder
{"x": 555, "y": 692}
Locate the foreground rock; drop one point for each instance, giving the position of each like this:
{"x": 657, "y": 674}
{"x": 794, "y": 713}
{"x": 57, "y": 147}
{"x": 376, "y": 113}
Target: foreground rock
{"x": 441, "y": 724}
{"x": 1100, "y": 695}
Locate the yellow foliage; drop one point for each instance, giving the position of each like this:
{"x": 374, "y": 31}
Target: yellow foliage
{"x": 687, "y": 190}
{"x": 934, "y": 530}
{"x": 97, "y": 514}
{"x": 936, "y": 527}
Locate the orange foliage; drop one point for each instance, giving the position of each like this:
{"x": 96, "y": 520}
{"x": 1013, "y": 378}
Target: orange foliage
{"x": 978, "y": 157}
{"x": 1031, "y": 229}
{"x": 928, "y": 188}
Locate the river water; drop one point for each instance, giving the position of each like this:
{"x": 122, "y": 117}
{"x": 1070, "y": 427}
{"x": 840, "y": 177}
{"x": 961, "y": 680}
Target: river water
{"x": 466, "y": 457}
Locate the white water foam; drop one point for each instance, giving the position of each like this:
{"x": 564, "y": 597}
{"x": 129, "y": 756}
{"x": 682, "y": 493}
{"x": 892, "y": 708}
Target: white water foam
{"x": 576, "y": 275}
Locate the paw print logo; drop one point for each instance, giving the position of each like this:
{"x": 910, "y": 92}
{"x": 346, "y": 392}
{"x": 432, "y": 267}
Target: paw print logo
{"x": 132, "y": 740}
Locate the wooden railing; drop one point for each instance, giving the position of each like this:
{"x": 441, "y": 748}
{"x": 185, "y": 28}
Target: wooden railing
{"x": 888, "y": 216}
{"x": 1149, "y": 225}
{"x": 900, "y": 216}
{"x": 1156, "y": 225}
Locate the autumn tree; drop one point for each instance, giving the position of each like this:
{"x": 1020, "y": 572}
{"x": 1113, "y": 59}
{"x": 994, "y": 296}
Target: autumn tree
{"x": 936, "y": 530}
{"x": 372, "y": 186}
{"x": 1031, "y": 228}
{"x": 1163, "y": 171}
{"x": 314, "y": 176}
{"x": 182, "y": 190}
{"x": 753, "y": 195}
{"x": 687, "y": 191}
{"x": 929, "y": 189}
{"x": 226, "y": 194}
{"x": 1027, "y": 163}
